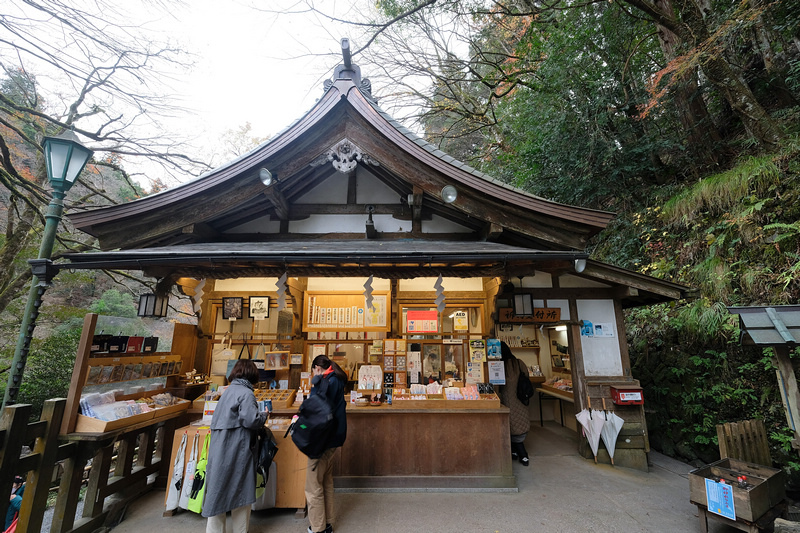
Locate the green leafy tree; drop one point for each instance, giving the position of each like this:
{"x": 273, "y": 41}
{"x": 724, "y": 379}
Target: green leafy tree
{"x": 49, "y": 369}
{"x": 115, "y": 303}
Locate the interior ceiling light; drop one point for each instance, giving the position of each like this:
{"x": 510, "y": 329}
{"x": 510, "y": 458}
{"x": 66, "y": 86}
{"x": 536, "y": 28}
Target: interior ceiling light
{"x": 265, "y": 176}
{"x": 449, "y": 194}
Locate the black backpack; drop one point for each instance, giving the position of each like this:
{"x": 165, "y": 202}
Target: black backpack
{"x": 267, "y": 448}
{"x": 524, "y": 387}
{"x": 311, "y": 430}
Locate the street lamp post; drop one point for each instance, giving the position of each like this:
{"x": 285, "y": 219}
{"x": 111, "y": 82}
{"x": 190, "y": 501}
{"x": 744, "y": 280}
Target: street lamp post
{"x": 64, "y": 158}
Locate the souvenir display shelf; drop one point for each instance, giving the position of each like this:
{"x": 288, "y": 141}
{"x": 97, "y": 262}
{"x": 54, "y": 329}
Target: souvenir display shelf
{"x": 345, "y": 311}
{"x": 91, "y": 366}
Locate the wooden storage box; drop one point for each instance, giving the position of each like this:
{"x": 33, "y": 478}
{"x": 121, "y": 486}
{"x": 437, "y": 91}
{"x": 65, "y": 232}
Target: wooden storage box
{"x": 430, "y": 401}
{"x": 87, "y": 424}
{"x": 486, "y": 401}
{"x": 765, "y": 489}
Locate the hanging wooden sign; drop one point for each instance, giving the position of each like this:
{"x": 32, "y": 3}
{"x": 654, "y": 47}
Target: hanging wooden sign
{"x": 541, "y": 315}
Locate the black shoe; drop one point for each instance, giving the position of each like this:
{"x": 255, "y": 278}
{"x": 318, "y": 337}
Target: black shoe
{"x": 328, "y": 528}
{"x": 514, "y": 456}
{"x": 525, "y": 461}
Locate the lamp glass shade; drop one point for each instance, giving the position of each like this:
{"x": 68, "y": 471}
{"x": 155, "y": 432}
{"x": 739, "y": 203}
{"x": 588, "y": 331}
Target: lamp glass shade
{"x": 580, "y": 265}
{"x": 152, "y": 305}
{"x": 265, "y": 176}
{"x": 65, "y": 158}
{"x": 449, "y": 194}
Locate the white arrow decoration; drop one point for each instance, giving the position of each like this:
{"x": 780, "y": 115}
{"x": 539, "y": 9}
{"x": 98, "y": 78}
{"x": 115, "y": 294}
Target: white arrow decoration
{"x": 368, "y": 294}
{"x": 439, "y": 301}
{"x": 280, "y": 286}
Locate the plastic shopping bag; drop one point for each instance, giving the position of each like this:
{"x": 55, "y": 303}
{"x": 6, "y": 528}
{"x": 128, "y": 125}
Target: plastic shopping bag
{"x": 176, "y": 483}
{"x": 199, "y": 483}
{"x": 188, "y": 479}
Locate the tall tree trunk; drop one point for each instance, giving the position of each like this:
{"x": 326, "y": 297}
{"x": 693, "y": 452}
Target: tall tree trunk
{"x": 755, "y": 118}
{"x": 701, "y": 132}
{"x": 692, "y": 29}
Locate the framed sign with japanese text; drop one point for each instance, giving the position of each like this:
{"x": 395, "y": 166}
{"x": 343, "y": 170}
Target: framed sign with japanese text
{"x": 541, "y": 315}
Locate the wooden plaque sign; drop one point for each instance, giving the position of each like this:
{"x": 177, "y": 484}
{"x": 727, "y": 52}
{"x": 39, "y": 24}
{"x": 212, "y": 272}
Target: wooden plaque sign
{"x": 541, "y": 315}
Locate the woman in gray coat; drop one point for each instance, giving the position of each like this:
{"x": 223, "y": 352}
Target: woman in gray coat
{"x": 518, "y": 412}
{"x": 231, "y": 469}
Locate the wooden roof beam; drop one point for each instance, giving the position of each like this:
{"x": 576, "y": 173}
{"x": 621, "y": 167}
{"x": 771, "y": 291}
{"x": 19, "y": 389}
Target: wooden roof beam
{"x": 200, "y": 231}
{"x": 491, "y": 232}
{"x": 275, "y": 195}
{"x": 416, "y": 206}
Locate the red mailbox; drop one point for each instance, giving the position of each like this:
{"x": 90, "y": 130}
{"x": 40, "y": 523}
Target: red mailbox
{"x": 627, "y": 395}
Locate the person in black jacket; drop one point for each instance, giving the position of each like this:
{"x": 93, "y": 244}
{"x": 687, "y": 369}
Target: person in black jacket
{"x": 319, "y": 473}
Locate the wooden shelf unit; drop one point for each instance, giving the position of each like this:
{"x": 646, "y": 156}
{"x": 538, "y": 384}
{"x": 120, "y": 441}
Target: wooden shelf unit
{"x": 183, "y": 352}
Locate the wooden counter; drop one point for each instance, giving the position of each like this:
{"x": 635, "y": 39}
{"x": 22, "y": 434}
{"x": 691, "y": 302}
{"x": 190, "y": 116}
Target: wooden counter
{"x": 396, "y": 447}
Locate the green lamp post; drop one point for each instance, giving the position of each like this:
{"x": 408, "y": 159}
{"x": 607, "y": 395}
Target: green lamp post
{"x": 65, "y": 157}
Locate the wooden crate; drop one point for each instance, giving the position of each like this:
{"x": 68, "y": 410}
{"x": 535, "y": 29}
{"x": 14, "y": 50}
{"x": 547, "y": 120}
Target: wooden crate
{"x": 487, "y": 401}
{"x": 766, "y": 492}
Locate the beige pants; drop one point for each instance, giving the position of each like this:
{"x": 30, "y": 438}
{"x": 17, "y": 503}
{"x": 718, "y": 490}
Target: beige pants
{"x": 240, "y": 517}
{"x": 319, "y": 491}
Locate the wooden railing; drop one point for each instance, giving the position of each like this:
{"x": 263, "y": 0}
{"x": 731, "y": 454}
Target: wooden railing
{"x": 138, "y": 467}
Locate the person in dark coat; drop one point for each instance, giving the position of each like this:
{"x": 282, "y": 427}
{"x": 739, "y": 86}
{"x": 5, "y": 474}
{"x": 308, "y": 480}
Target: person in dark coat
{"x": 518, "y": 417}
{"x": 319, "y": 473}
{"x": 231, "y": 468}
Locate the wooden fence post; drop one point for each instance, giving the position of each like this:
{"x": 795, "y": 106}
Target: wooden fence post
{"x": 14, "y": 426}
{"x": 34, "y": 501}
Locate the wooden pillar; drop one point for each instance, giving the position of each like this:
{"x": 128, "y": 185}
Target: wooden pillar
{"x": 787, "y": 382}
{"x": 34, "y": 502}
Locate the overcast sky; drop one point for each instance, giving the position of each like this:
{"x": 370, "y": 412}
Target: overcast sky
{"x": 252, "y": 66}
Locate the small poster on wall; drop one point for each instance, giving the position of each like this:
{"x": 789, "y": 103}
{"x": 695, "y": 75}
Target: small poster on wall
{"x": 422, "y": 322}
{"x": 497, "y": 373}
{"x": 259, "y": 307}
{"x": 232, "y": 308}
{"x": 460, "y": 321}
{"x": 477, "y": 351}
{"x": 474, "y": 372}
{"x": 493, "y": 349}
{"x": 603, "y": 330}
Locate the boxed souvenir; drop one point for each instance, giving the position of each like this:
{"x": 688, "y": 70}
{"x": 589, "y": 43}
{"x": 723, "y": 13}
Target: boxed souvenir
{"x": 100, "y": 343}
{"x": 118, "y": 343}
{"x": 134, "y": 345}
{"x": 150, "y": 344}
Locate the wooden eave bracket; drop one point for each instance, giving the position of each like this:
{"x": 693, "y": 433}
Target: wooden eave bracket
{"x": 416, "y": 209}
{"x": 492, "y": 232}
{"x": 278, "y": 200}
{"x": 200, "y": 230}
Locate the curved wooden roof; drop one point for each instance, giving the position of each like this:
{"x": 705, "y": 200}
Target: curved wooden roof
{"x": 234, "y": 192}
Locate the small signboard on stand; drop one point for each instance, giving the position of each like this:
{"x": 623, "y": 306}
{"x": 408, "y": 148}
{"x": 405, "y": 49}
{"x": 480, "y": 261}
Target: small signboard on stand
{"x": 719, "y": 499}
